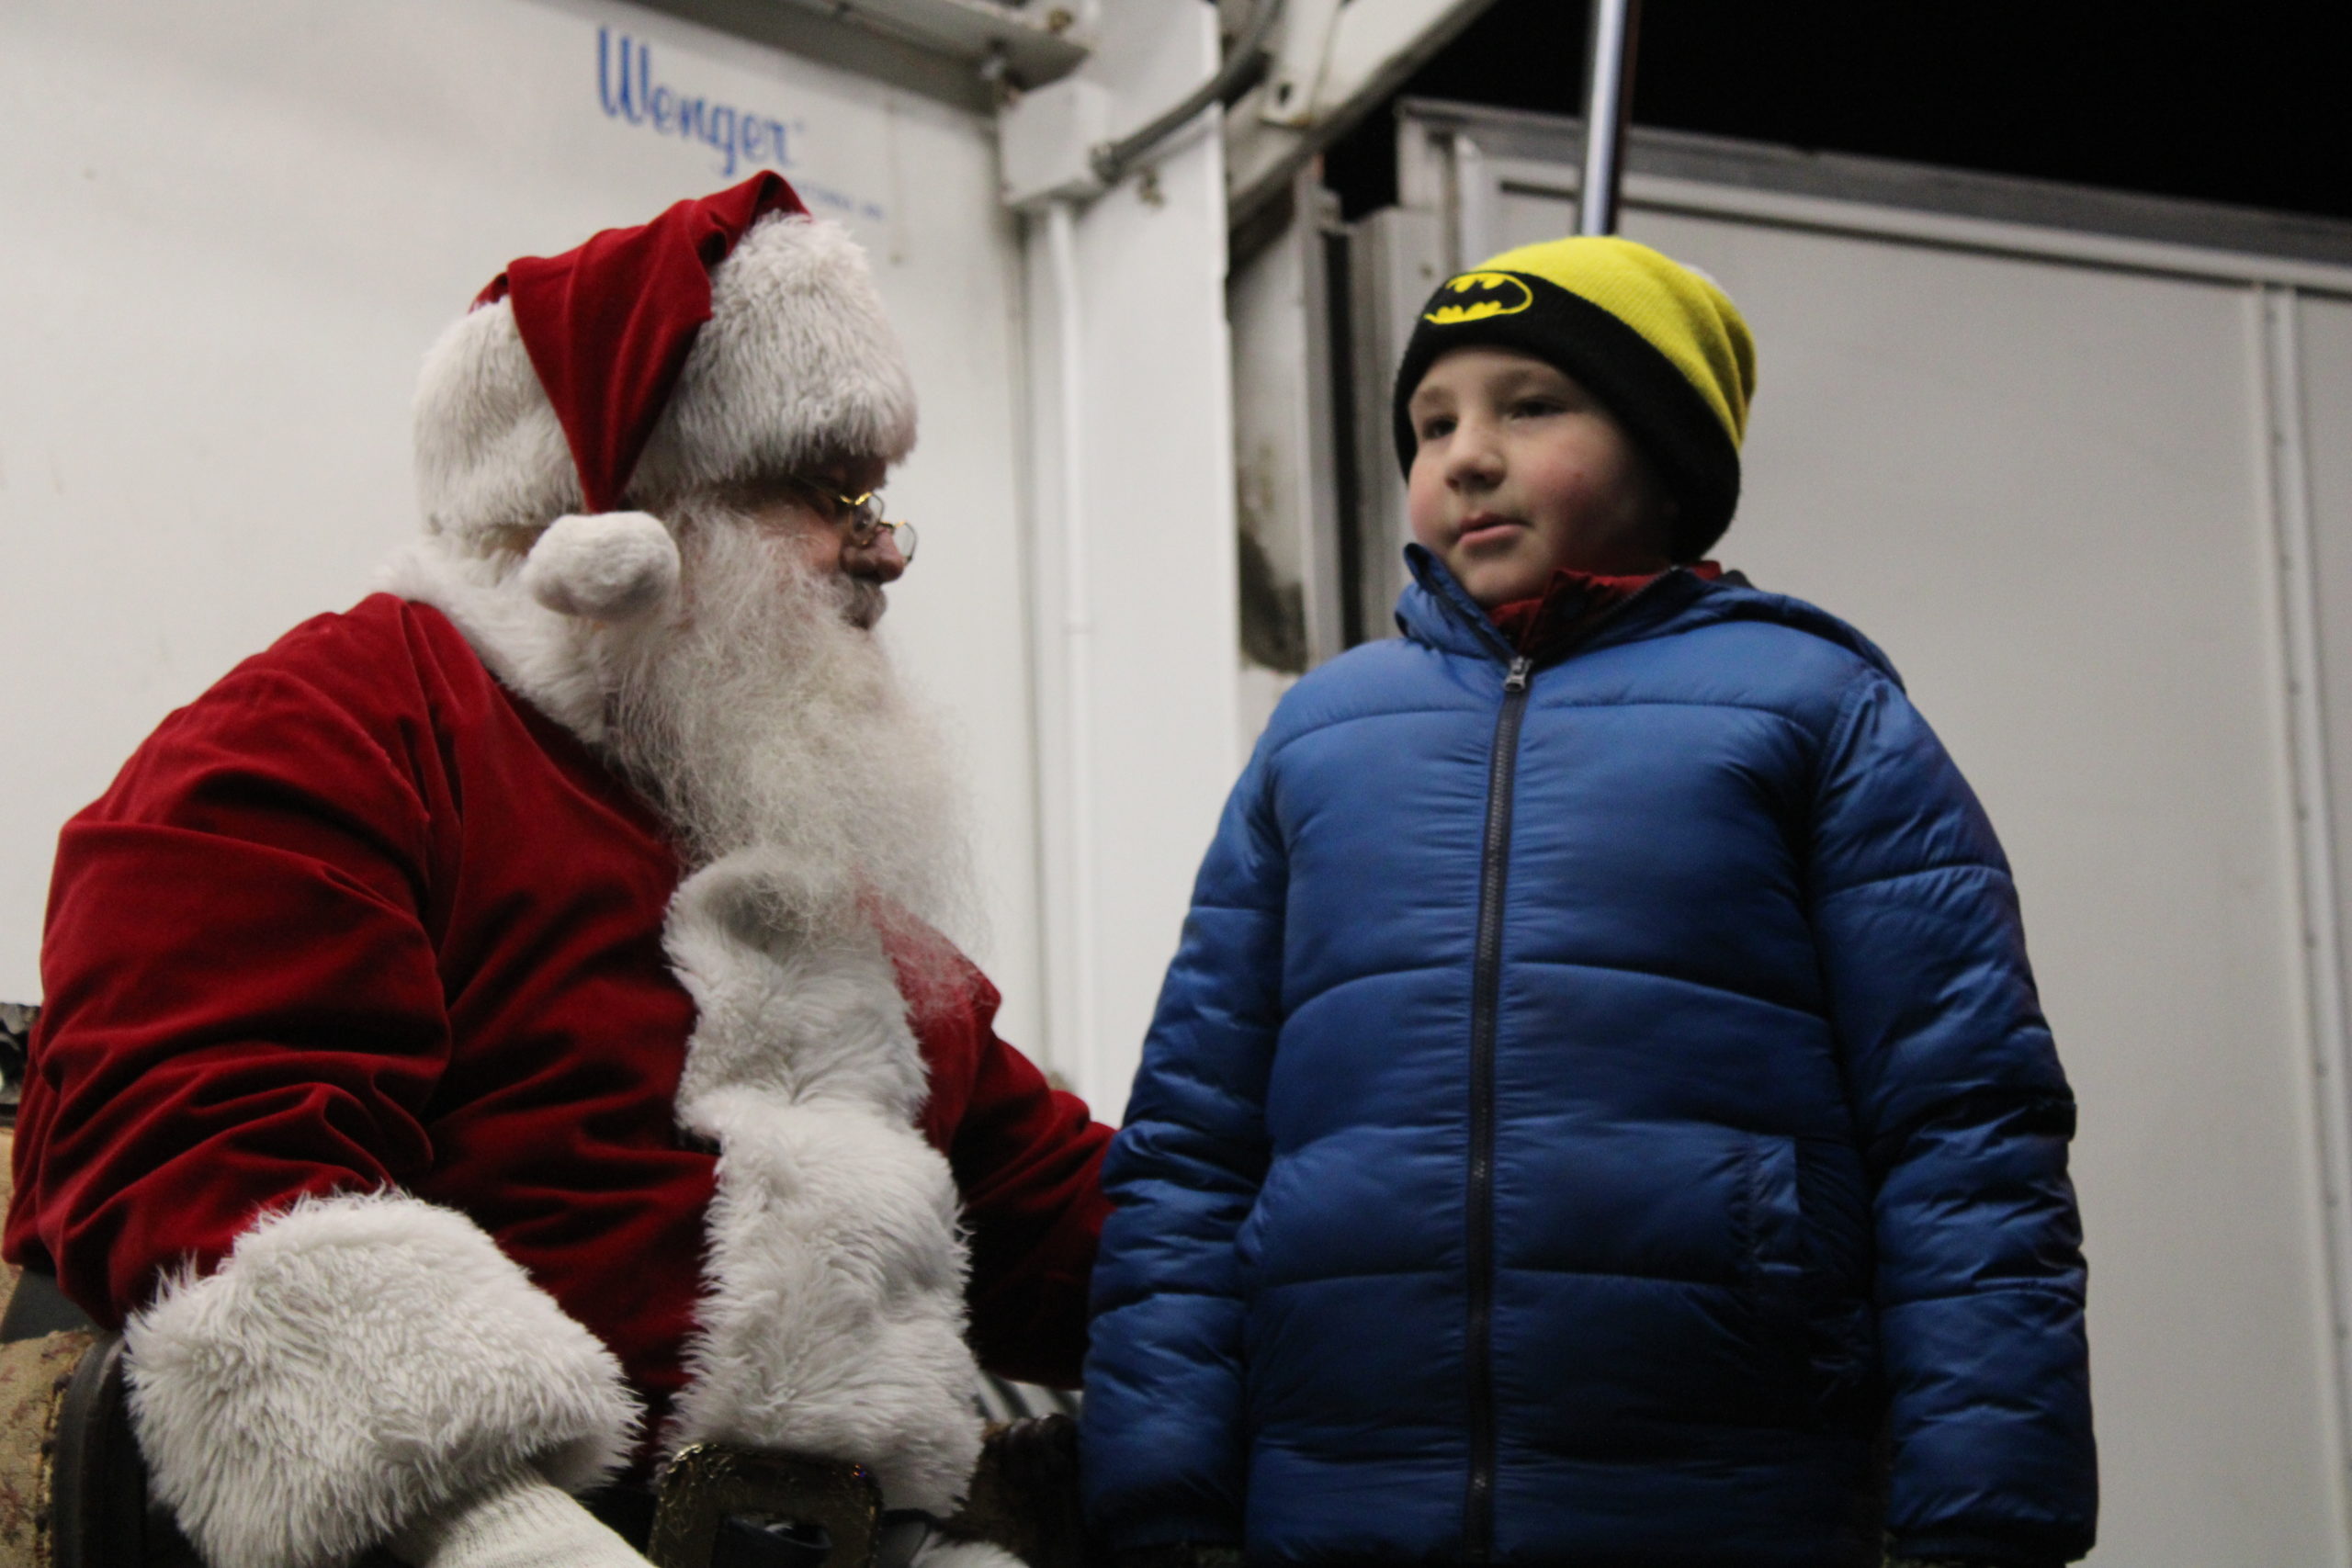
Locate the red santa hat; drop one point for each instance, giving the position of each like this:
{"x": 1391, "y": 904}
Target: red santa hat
{"x": 732, "y": 337}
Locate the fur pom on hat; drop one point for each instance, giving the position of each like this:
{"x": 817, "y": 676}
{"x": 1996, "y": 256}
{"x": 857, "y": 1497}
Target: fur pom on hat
{"x": 614, "y": 566}
{"x": 731, "y": 338}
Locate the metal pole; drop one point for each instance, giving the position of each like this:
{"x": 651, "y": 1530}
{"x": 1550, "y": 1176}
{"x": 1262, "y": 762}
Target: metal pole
{"x": 1608, "y": 96}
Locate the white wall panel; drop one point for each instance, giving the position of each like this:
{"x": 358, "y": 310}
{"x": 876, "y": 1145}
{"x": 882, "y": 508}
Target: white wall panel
{"x": 2325, "y": 349}
{"x": 1137, "y": 727}
{"x": 228, "y": 233}
{"x": 2312, "y": 343}
{"x": 2039, "y": 487}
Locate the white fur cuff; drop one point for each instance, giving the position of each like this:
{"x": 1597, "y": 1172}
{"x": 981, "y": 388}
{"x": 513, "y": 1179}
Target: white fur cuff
{"x": 355, "y": 1365}
{"x": 833, "y": 1321}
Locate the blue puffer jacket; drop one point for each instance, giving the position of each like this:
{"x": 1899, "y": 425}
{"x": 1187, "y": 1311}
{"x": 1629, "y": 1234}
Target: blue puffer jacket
{"x": 1587, "y": 1108}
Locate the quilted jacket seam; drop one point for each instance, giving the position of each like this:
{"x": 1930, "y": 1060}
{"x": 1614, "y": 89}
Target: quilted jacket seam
{"x": 1319, "y": 726}
{"x": 2071, "y": 1297}
{"x": 1554, "y": 705}
{"x": 1971, "y": 864}
{"x": 1671, "y": 979}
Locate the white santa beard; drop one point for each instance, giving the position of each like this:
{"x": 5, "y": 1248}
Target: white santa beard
{"x": 810, "y": 796}
{"x": 816, "y": 804}
{"x": 758, "y": 713}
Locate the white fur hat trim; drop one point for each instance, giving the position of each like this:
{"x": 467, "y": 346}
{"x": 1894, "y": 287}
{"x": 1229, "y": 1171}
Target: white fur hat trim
{"x": 612, "y": 566}
{"x": 797, "y": 365}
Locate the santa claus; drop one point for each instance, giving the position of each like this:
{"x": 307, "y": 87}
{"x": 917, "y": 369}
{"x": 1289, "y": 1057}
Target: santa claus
{"x": 498, "y": 1037}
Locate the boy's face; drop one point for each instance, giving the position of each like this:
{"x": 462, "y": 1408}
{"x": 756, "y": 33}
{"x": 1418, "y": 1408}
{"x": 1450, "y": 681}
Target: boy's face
{"x": 1520, "y": 470}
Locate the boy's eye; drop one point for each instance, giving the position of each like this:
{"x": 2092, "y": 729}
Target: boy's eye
{"x": 1436, "y": 425}
{"x": 1536, "y": 408}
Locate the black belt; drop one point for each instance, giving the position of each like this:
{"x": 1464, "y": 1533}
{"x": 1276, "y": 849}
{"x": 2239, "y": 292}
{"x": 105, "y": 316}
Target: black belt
{"x": 749, "y": 1541}
{"x": 721, "y": 1506}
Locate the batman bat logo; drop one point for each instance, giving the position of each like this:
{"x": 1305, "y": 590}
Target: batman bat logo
{"x": 1478, "y": 295}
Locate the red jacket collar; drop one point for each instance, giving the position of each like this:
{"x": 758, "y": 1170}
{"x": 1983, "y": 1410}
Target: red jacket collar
{"x": 1573, "y": 604}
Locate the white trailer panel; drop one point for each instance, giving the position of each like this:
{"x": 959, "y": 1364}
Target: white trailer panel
{"x": 231, "y": 233}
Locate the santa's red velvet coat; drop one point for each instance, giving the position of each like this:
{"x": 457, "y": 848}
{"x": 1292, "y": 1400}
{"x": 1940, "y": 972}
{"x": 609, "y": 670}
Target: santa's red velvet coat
{"x": 426, "y": 1125}
{"x": 359, "y": 918}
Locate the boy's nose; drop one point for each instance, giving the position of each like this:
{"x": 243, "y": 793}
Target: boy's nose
{"x": 1474, "y": 457}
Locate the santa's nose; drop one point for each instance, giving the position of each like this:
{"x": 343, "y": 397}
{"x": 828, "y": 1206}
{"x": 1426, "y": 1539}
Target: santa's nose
{"x": 879, "y": 560}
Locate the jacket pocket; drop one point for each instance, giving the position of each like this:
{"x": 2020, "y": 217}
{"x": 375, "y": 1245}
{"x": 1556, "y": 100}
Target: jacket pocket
{"x": 1824, "y": 1329}
{"x": 1775, "y": 1218}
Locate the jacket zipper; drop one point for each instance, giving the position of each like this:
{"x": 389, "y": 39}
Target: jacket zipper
{"x": 1486, "y": 996}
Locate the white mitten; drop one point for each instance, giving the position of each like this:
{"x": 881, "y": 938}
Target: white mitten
{"x": 522, "y": 1522}
{"x": 942, "y": 1552}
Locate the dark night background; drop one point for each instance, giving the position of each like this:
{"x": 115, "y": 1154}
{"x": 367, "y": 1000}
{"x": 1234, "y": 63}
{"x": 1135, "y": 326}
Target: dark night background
{"x": 2249, "y": 103}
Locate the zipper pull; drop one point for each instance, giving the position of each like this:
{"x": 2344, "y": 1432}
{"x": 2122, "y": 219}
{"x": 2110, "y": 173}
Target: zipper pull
{"x": 1521, "y": 668}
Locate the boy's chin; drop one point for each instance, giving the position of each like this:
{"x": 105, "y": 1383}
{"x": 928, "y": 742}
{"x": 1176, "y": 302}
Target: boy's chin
{"x": 1498, "y": 579}
{"x": 1492, "y": 584}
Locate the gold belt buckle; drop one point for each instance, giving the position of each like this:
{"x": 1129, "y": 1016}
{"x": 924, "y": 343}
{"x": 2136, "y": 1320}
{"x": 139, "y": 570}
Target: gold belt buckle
{"x": 708, "y": 1483}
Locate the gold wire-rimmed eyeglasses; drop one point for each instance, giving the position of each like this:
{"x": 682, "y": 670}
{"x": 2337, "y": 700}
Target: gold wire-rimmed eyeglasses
{"x": 862, "y": 516}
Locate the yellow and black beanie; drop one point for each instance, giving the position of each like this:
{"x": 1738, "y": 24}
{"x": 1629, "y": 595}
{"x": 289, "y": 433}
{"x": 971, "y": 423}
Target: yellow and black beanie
{"x": 1658, "y": 342}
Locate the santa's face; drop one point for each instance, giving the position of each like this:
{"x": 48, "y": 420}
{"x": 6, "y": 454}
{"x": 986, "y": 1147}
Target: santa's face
{"x": 815, "y": 529}
{"x": 764, "y": 712}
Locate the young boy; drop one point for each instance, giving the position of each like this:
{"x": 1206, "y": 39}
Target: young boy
{"x": 1600, "y": 1114}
